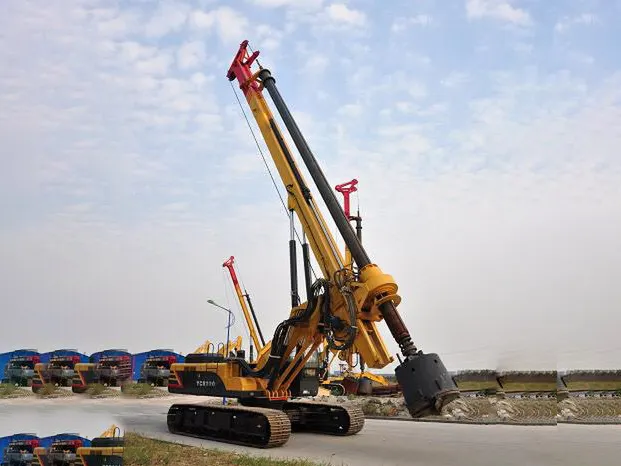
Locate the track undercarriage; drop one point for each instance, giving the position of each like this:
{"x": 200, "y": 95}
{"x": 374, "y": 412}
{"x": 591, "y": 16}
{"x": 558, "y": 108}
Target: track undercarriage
{"x": 263, "y": 427}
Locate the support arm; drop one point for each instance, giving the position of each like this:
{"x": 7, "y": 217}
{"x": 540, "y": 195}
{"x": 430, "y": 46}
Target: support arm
{"x": 251, "y": 324}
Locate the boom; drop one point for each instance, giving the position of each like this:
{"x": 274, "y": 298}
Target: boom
{"x": 253, "y": 324}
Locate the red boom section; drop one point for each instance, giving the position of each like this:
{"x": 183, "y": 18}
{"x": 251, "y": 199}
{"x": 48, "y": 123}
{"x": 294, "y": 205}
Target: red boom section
{"x": 229, "y": 265}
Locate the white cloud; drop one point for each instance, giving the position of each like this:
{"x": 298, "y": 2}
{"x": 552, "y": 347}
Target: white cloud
{"x": 306, "y": 4}
{"x": 191, "y": 55}
{"x": 316, "y": 64}
{"x": 567, "y": 22}
{"x": 401, "y": 24}
{"x": 117, "y": 24}
{"x": 454, "y": 79}
{"x": 523, "y": 48}
{"x": 202, "y": 19}
{"x": 132, "y": 51}
{"x": 580, "y": 58}
{"x": 341, "y": 13}
{"x": 230, "y": 24}
{"x": 269, "y": 37}
{"x": 169, "y": 17}
{"x": 352, "y": 111}
{"x": 497, "y": 9}
{"x": 157, "y": 65}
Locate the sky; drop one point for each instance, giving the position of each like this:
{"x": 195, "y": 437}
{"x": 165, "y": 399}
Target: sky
{"x": 483, "y": 134}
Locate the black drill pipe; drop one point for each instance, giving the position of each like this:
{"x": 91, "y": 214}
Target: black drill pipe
{"x": 342, "y": 223}
{"x": 293, "y": 263}
{"x": 358, "y": 220}
{"x": 254, "y": 317}
{"x": 293, "y": 267}
{"x": 307, "y": 269}
{"x": 389, "y": 311}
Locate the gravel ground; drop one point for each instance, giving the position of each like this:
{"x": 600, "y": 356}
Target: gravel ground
{"x": 590, "y": 411}
{"x": 490, "y": 410}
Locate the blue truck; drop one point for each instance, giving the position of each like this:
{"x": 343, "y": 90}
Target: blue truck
{"x": 153, "y": 367}
{"x": 60, "y": 450}
{"x": 57, "y": 368}
{"x": 18, "y": 450}
{"x": 17, "y": 367}
{"x": 111, "y": 367}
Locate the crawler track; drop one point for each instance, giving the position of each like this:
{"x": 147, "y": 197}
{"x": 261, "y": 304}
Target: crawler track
{"x": 324, "y": 418}
{"x": 255, "y": 427}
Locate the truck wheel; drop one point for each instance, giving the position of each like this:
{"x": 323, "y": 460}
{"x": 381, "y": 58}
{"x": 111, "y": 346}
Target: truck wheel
{"x": 336, "y": 389}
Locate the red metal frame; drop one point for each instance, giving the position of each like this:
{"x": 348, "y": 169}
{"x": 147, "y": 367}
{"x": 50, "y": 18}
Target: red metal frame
{"x": 346, "y": 189}
{"x": 240, "y": 69}
{"x": 229, "y": 265}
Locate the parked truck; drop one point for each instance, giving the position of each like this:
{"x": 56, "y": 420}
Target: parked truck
{"x": 60, "y": 450}
{"x": 153, "y": 367}
{"x": 111, "y": 368}
{"x": 74, "y": 450}
{"x": 18, "y": 450}
{"x": 57, "y": 368}
{"x": 17, "y": 367}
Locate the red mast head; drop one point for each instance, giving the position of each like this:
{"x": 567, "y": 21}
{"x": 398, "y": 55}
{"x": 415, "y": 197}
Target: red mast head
{"x": 346, "y": 189}
{"x": 229, "y": 265}
{"x": 240, "y": 68}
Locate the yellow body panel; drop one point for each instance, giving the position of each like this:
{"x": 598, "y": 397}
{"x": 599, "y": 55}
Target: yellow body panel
{"x": 209, "y": 347}
{"x": 111, "y": 431}
{"x": 228, "y": 372}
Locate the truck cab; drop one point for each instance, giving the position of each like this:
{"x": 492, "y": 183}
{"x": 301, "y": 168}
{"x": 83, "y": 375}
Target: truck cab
{"x": 20, "y": 371}
{"x": 19, "y": 453}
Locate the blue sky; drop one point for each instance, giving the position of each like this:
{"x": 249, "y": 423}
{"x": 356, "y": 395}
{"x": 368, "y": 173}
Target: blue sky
{"x": 484, "y": 133}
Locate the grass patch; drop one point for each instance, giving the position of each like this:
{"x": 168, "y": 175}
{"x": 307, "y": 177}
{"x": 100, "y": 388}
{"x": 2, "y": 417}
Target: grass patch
{"x": 8, "y": 390}
{"x": 142, "y": 451}
{"x": 47, "y": 389}
{"x": 98, "y": 390}
{"x": 143, "y": 390}
{"x": 137, "y": 389}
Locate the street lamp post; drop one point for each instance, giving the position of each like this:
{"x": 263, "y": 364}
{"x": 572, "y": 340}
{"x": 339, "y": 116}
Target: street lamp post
{"x": 228, "y": 331}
